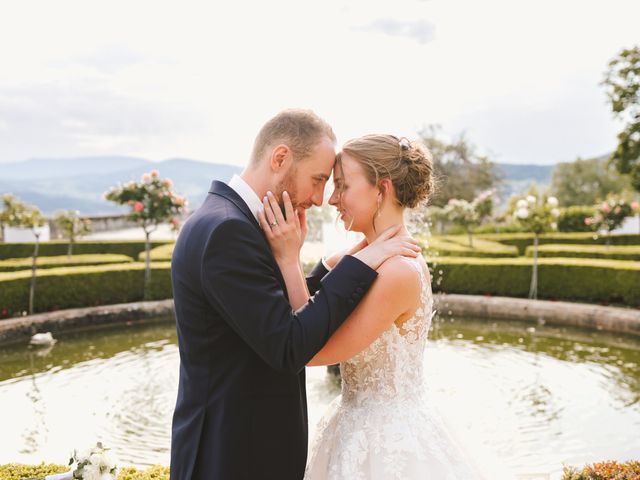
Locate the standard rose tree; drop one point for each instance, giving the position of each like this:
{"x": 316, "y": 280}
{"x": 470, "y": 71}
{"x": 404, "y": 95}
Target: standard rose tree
{"x": 151, "y": 202}
{"x": 72, "y": 226}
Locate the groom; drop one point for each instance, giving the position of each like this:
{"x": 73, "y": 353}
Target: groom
{"x": 241, "y": 411}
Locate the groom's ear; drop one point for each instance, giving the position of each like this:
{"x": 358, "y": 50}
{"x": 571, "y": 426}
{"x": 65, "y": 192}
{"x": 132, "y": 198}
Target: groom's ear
{"x": 280, "y": 155}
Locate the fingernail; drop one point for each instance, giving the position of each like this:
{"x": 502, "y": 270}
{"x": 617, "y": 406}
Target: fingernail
{"x": 269, "y": 193}
{"x": 285, "y": 193}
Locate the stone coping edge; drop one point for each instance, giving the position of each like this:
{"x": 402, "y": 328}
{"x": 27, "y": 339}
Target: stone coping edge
{"x": 597, "y": 317}
{"x": 22, "y": 328}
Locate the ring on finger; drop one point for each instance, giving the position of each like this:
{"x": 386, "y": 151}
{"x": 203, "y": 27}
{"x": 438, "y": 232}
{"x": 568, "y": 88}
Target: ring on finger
{"x": 274, "y": 224}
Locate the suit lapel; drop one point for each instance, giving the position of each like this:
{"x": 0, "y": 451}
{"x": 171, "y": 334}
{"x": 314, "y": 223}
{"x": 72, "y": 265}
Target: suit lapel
{"x": 223, "y": 190}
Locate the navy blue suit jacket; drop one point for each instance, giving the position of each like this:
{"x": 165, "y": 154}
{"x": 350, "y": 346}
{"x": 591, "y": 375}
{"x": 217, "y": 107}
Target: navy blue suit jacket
{"x": 241, "y": 411}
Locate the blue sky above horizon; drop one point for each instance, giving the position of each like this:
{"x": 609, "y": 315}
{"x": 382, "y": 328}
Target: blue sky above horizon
{"x": 159, "y": 79}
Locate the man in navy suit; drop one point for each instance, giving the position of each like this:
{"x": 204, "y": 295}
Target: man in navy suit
{"x": 241, "y": 411}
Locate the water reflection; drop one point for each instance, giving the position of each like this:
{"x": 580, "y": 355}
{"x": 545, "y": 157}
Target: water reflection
{"x": 537, "y": 395}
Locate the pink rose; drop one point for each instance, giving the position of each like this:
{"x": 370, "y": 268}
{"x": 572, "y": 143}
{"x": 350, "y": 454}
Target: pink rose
{"x": 138, "y": 207}
{"x": 168, "y": 183}
{"x": 160, "y": 195}
{"x": 154, "y": 173}
{"x": 605, "y": 207}
{"x": 588, "y": 221}
{"x": 174, "y": 221}
{"x": 635, "y": 205}
{"x": 179, "y": 199}
{"x": 146, "y": 177}
{"x": 616, "y": 210}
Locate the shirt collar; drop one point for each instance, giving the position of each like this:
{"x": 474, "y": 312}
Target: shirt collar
{"x": 247, "y": 194}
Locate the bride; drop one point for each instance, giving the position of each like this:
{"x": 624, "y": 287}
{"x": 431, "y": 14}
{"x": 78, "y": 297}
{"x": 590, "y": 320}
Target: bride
{"x": 383, "y": 425}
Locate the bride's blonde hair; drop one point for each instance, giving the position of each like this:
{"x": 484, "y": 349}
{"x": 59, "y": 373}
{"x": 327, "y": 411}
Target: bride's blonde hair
{"x": 409, "y": 165}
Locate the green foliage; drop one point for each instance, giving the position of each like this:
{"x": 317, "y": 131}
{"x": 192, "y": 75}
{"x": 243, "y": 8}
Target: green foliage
{"x": 459, "y": 246}
{"x": 460, "y": 171}
{"x": 74, "y": 287}
{"x": 570, "y": 279}
{"x": 16, "y": 264}
{"x": 151, "y": 200}
{"x": 19, "y": 471}
{"x": 572, "y": 219}
{"x": 16, "y": 471}
{"x": 161, "y": 253}
{"x": 130, "y": 248}
{"x": 610, "y": 470}
{"x": 622, "y": 84}
{"x": 72, "y": 225}
{"x": 609, "y": 215}
{"x": 587, "y": 251}
{"x": 523, "y": 240}
{"x": 586, "y": 182}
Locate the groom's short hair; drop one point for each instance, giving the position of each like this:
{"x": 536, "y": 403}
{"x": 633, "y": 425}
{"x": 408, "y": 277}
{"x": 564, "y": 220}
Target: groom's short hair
{"x": 300, "y": 130}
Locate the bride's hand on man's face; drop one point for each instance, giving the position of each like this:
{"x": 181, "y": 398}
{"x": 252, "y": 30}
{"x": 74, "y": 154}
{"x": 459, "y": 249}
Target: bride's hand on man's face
{"x": 285, "y": 233}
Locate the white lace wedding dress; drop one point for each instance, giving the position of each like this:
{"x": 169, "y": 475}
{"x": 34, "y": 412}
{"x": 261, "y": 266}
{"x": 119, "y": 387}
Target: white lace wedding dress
{"x": 383, "y": 426}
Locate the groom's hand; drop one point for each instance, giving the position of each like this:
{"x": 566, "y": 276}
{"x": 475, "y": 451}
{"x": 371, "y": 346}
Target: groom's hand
{"x": 387, "y": 245}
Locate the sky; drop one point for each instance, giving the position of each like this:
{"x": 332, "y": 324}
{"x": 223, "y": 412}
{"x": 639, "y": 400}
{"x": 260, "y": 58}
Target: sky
{"x": 193, "y": 79}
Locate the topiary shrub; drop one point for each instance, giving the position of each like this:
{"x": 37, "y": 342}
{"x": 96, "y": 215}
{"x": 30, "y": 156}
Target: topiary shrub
{"x": 16, "y": 264}
{"x": 572, "y": 219}
{"x": 616, "y": 252}
{"x": 129, "y": 248}
{"x": 74, "y": 287}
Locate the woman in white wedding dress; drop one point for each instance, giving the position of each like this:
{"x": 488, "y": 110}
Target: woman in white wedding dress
{"x": 383, "y": 425}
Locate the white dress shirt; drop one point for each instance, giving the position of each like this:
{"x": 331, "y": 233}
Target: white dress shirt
{"x": 247, "y": 194}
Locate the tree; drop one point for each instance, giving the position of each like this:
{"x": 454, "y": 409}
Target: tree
{"x": 622, "y": 84}
{"x": 459, "y": 170}
{"x": 609, "y": 215}
{"x": 536, "y": 214}
{"x": 29, "y": 216}
{"x": 586, "y": 182}
{"x": 72, "y": 225}
{"x": 470, "y": 214}
{"x": 10, "y": 213}
{"x": 152, "y": 202}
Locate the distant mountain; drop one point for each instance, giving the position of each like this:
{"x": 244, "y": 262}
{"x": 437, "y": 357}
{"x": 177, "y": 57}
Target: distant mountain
{"x": 541, "y": 174}
{"x": 79, "y": 183}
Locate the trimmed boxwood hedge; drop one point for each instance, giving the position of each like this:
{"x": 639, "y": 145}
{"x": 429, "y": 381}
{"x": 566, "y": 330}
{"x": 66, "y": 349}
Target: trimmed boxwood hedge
{"x": 523, "y": 240}
{"x": 459, "y": 246}
{"x": 571, "y": 279}
{"x": 17, "y": 471}
{"x": 15, "y": 264}
{"x": 129, "y": 248}
{"x": 614, "y": 252}
{"x": 163, "y": 252}
{"x": 73, "y": 287}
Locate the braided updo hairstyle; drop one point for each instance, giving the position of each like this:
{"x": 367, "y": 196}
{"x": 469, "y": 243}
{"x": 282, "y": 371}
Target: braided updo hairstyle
{"x": 409, "y": 165}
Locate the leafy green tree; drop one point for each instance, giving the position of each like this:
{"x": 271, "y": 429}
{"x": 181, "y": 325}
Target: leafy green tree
{"x": 72, "y": 225}
{"x": 29, "y": 216}
{"x": 460, "y": 171}
{"x": 622, "y": 84}
{"x": 586, "y": 182}
{"x": 10, "y": 213}
{"x": 537, "y": 214}
{"x": 152, "y": 202}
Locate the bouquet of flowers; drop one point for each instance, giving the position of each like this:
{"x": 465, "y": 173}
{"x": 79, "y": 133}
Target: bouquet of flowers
{"x": 94, "y": 464}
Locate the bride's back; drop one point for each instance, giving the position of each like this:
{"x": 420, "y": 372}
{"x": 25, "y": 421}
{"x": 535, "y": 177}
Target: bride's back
{"x": 391, "y": 368}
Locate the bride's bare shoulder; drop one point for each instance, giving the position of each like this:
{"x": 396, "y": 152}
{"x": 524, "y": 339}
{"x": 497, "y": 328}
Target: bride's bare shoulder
{"x": 399, "y": 275}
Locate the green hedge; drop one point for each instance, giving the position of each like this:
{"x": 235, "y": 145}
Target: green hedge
{"x": 523, "y": 240}
{"x": 73, "y": 287}
{"x": 572, "y": 218}
{"x": 571, "y": 279}
{"x": 17, "y": 471}
{"x": 161, "y": 253}
{"x": 129, "y": 248}
{"x": 15, "y": 264}
{"x": 459, "y": 246}
{"x": 613, "y": 252}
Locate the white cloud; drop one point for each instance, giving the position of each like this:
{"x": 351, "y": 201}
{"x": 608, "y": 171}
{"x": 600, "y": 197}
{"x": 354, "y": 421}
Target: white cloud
{"x": 197, "y": 79}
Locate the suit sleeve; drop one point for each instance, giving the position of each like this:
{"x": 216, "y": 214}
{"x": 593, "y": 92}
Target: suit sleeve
{"x": 239, "y": 280}
{"x": 314, "y": 278}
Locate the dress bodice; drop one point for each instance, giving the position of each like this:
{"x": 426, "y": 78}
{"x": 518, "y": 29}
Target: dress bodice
{"x": 391, "y": 368}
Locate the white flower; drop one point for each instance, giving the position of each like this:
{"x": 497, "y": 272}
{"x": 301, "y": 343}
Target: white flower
{"x": 522, "y": 213}
{"x": 521, "y": 203}
{"x": 91, "y": 472}
{"x": 555, "y": 212}
{"x": 84, "y": 455}
{"x": 554, "y": 226}
{"x": 107, "y": 476}
{"x": 553, "y": 201}
{"x": 108, "y": 460}
{"x": 531, "y": 199}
